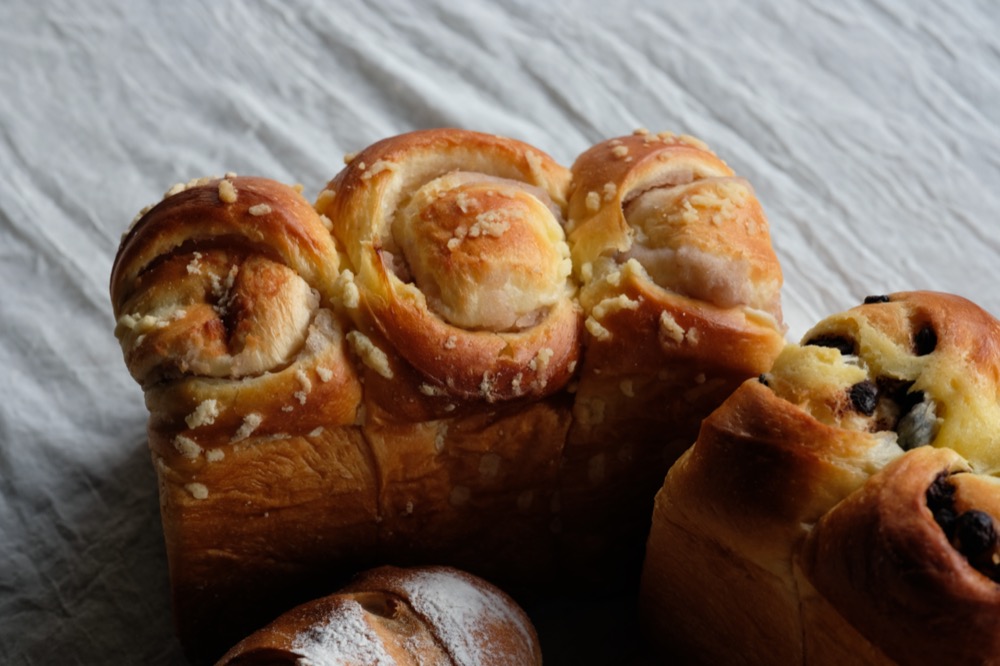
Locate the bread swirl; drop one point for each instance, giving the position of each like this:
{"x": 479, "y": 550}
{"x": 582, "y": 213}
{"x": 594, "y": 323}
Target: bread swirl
{"x": 403, "y": 374}
{"x": 680, "y": 290}
{"x": 221, "y": 294}
{"x": 468, "y": 328}
{"x": 424, "y": 616}
{"x": 815, "y": 519}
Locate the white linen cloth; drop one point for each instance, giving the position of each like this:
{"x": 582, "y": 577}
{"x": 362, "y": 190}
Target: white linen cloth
{"x": 869, "y": 128}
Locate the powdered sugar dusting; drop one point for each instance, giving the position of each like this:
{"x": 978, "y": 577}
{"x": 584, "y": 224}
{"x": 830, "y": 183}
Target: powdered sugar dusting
{"x": 462, "y": 614}
{"x": 345, "y": 638}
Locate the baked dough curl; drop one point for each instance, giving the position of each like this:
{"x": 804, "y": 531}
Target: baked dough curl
{"x": 221, "y": 294}
{"x": 680, "y": 290}
{"x": 459, "y": 285}
{"x": 842, "y": 508}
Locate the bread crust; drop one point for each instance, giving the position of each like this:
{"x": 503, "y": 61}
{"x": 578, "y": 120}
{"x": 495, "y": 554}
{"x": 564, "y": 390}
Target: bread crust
{"x": 418, "y": 616}
{"x": 404, "y": 373}
{"x": 800, "y": 527}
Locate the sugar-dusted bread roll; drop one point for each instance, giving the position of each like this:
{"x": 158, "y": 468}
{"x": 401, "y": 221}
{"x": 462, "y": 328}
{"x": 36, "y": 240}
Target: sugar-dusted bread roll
{"x": 415, "y": 371}
{"x": 843, "y": 507}
{"x": 427, "y": 616}
{"x": 680, "y": 289}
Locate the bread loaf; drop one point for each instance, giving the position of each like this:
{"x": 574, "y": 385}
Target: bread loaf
{"x": 842, "y": 508}
{"x": 427, "y": 616}
{"x": 457, "y": 356}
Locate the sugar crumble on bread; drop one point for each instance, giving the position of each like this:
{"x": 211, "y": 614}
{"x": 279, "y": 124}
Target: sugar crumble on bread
{"x": 378, "y": 167}
{"x": 250, "y": 423}
{"x": 204, "y": 414}
{"x": 199, "y": 491}
{"x": 187, "y": 447}
{"x": 370, "y": 355}
{"x": 258, "y": 210}
{"x": 596, "y": 329}
{"x": 227, "y": 192}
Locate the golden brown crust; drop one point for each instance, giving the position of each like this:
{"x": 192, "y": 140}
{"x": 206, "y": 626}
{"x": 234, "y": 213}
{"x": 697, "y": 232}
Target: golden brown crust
{"x": 399, "y": 376}
{"x": 680, "y": 297}
{"x": 442, "y": 229}
{"x": 885, "y": 563}
{"x": 429, "y": 615}
{"x": 815, "y": 483}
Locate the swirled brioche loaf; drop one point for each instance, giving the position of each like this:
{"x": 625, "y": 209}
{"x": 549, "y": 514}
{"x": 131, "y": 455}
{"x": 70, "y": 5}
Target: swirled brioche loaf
{"x": 425, "y": 616}
{"x": 842, "y": 508}
{"x": 456, "y": 357}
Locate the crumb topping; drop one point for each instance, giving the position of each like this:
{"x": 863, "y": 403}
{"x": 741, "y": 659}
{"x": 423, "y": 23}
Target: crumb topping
{"x": 204, "y": 414}
{"x": 370, "y": 355}
{"x": 187, "y": 447}
{"x": 250, "y": 423}
{"x": 378, "y": 167}
{"x": 227, "y": 193}
{"x": 197, "y": 490}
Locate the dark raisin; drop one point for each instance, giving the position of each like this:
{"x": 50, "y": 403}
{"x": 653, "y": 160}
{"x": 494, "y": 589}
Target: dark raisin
{"x": 924, "y": 341}
{"x": 941, "y": 502}
{"x": 845, "y": 345}
{"x": 864, "y": 397}
{"x": 763, "y": 379}
{"x": 974, "y": 533}
{"x": 876, "y": 299}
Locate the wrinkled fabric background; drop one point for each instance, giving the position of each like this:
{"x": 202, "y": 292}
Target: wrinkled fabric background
{"x": 870, "y": 130}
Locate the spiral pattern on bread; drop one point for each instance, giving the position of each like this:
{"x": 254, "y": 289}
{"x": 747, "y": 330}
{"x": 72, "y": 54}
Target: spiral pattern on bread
{"x": 456, "y": 356}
